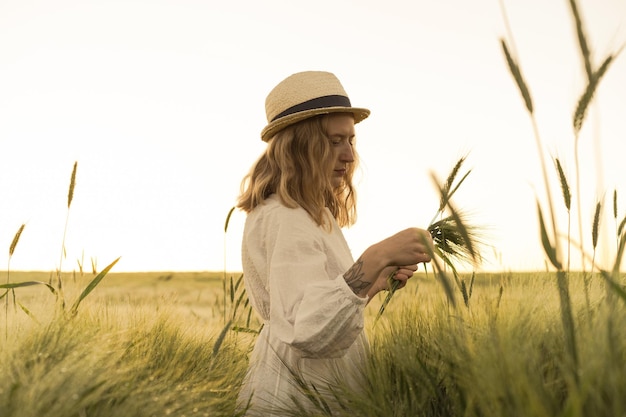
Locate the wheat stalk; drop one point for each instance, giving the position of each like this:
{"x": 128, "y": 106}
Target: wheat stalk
{"x": 454, "y": 240}
{"x": 615, "y": 211}
{"x": 567, "y": 196}
{"x": 594, "y": 239}
{"x": 582, "y": 39}
{"x": 517, "y": 76}
{"x": 226, "y": 223}
{"x": 621, "y": 226}
{"x": 16, "y": 239}
{"x": 593, "y": 80}
{"x": 70, "y": 193}
{"x": 70, "y": 197}
{"x": 552, "y": 251}
{"x": 56, "y": 291}
{"x": 90, "y": 287}
{"x": 567, "y": 199}
{"x": 596, "y": 223}
{"x": 586, "y": 98}
{"x": 516, "y": 73}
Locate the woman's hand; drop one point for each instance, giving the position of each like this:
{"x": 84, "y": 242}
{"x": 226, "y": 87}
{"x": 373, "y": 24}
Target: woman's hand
{"x": 408, "y": 247}
{"x": 401, "y": 253}
{"x": 400, "y": 274}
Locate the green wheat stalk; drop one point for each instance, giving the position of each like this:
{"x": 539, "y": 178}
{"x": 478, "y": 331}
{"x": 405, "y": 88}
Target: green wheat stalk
{"x": 70, "y": 197}
{"x": 594, "y": 230}
{"x": 577, "y": 121}
{"x": 585, "y": 100}
{"x": 595, "y": 227}
{"x": 587, "y": 96}
{"x": 16, "y": 239}
{"x": 525, "y": 92}
{"x": 226, "y": 223}
{"x": 582, "y": 40}
{"x": 615, "y": 212}
{"x": 57, "y": 292}
{"x": 567, "y": 200}
{"x": 621, "y": 226}
{"x": 454, "y": 240}
{"x": 10, "y": 287}
{"x": 551, "y": 244}
{"x": 613, "y": 277}
{"x": 237, "y": 295}
{"x": 90, "y": 287}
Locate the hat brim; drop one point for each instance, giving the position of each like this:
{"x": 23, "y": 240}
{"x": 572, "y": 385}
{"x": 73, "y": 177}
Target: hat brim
{"x": 274, "y": 127}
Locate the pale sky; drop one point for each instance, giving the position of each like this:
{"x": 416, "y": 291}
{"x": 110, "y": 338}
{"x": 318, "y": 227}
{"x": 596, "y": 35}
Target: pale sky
{"x": 162, "y": 103}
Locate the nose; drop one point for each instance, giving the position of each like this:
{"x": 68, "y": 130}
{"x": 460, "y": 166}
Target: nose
{"x": 347, "y": 153}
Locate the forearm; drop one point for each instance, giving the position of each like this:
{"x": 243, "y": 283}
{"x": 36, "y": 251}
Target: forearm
{"x": 362, "y": 276}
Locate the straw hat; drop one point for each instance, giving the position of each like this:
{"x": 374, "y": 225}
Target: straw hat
{"x": 303, "y": 95}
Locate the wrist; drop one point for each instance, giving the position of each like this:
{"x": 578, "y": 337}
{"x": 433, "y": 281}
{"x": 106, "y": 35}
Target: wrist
{"x": 374, "y": 258}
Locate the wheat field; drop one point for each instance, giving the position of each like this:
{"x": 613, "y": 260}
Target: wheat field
{"x": 543, "y": 343}
{"x": 152, "y": 344}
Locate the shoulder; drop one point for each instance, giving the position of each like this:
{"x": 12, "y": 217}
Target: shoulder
{"x": 274, "y": 209}
{"x": 272, "y": 215}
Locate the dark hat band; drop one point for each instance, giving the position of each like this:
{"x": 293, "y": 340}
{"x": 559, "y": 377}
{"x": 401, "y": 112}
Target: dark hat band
{"x": 316, "y": 103}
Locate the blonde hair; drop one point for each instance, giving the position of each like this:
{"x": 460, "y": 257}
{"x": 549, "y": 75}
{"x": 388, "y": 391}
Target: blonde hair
{"x": 297, "y": 166}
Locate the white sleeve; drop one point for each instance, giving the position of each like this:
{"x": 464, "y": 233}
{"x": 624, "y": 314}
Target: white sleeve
{"x": 310, "y": 310}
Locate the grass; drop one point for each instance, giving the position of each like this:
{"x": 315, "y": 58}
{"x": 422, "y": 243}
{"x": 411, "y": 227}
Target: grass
{"x": 546, "y": 343}
{"x": 504, "y": 356}
{"x": 144, "y": 344}
{"x": 549, "y": 230}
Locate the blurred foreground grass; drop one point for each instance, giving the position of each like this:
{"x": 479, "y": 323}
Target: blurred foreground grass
{"x": 143, "y": 344}
{"x": 150, "y": 344}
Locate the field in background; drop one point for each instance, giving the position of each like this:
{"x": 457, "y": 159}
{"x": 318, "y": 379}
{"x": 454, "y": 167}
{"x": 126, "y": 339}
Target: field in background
{"x": 151, "y": 344}
{"x": 201, "y": 294}
{"x": 197, "y": 294}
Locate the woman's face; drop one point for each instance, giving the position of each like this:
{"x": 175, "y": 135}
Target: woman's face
{"x": 340, "y": 130}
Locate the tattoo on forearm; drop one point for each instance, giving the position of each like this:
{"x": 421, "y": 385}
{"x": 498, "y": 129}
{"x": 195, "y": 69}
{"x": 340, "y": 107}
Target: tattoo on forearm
{"x": 354, "y": 277}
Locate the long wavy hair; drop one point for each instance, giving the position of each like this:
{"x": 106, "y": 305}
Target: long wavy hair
{"x": 297, "y": 166}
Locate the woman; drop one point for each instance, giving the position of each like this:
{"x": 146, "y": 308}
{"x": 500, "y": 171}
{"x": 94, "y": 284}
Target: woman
{"x": 298, "y": 269}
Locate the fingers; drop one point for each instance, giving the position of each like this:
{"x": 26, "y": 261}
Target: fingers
{"x": 405, "y": 272}
{"x": 426, "y": 245}
{"x": 423, "y": 244}
{"x": 408, "y": 247}
{"x": 400, "y": 281}
{"x": 401, "y": 285}
{"x": 424, "y": 257}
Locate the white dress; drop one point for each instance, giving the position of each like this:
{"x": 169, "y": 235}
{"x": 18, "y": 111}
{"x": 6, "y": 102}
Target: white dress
{"x": 313, "y": 322}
